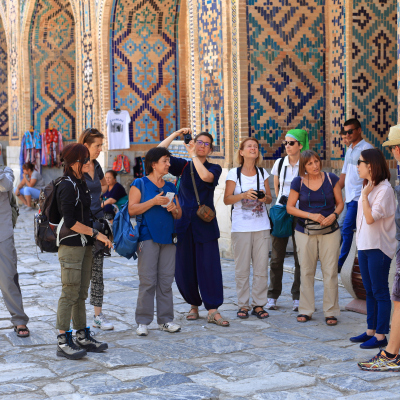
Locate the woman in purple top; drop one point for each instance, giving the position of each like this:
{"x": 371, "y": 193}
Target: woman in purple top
{"x": 317, "y": 233}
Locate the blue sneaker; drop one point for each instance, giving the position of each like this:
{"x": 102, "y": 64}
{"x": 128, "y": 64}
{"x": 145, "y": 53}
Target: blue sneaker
{"x": 360, "y": 338}
{"x": 374, "y": 343}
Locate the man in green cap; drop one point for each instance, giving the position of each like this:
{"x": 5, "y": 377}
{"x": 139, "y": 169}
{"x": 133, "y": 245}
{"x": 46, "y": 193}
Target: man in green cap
{"x": 285, "y": 170}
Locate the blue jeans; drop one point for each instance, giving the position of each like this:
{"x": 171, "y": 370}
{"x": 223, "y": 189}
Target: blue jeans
{"x": 374, "y": 268}
{"x": 29, "y": 191}
{"x": 349, "y": 224}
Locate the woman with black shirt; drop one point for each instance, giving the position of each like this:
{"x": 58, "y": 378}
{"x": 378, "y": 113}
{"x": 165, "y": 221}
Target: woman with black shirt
{"x": 75, "y": 254}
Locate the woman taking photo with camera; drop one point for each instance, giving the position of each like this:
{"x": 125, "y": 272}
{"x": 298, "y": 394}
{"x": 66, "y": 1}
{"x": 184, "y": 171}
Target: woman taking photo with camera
{"x": 376, "y": 245}
{"x": 317, "y": 234}
{"x": 198, "y": 272}
{"x": 248, "y": 191}
{"x": 93, "y": 140}
{"x": 156, "y": 250}
{"x": 75, "y": 254}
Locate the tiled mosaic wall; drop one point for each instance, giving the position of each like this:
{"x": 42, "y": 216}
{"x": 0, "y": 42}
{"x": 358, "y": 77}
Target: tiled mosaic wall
{"x": 374, "y": 68}
{"x": 144, "y": 65}
{"x": 286, "y": 44}
{"x": 3, "y": 83}
{"x": 52, "y": 67}
{"x": 211, "y": 71}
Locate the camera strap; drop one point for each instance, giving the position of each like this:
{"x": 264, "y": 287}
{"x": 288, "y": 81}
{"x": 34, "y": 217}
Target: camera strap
{"x": 239, "y": 172}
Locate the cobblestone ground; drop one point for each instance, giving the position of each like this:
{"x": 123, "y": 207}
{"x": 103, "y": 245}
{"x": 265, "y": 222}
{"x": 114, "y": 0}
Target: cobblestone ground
{"x": 277, "y": 358}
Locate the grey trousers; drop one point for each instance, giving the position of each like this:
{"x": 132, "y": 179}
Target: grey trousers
{"x": 9, "y": 284}
{"x": 156, "y": 268}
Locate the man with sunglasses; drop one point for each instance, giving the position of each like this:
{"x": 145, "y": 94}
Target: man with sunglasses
{"x": 351, "y": 182}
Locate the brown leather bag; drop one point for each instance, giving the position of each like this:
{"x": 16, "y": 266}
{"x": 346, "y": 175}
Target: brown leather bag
{"x": 204, "y": 212}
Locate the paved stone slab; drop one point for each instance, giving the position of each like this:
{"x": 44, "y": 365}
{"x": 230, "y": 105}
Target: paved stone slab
{"x": 207, "y": 379}
{"x": 57, "y": 389}
{"x": 131, "y": 374}
{"x": 351, "y": 384}
{"x": 23, "y": 372}
{"x": 166, "y": 379}
{"x": 184, "y": 392}
{"x": 277, "y": 382}
{"x": 217, "y": 344}
{"x": 173, "y": 350}
{"x": 176, "y": 367}
{"x": 103, "y": 383}
{"x": 36, "y": 338}
{"x": 379, "y": 394}
{"x": 17, "y": 387}
{"x": 260, "y": 368}
{"x": 319, "y": 392}
{"x": 118, "y": 357}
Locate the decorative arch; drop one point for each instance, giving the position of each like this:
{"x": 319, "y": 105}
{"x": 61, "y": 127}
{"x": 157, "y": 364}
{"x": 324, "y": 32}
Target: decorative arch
{"x": 143, "y": 65}
{"x": 48, "y": 38}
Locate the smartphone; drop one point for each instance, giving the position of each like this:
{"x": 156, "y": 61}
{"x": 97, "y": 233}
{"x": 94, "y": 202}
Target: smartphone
{"x": 170, "y": 196}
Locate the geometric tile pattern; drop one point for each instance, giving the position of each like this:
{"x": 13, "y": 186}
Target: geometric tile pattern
{"x": 211, "y": 70}
{"x": 337, "y": 76}
{"x": 53, "y": 67}
{"x": 235, "y": 80}
{"x": 374, "y": 68}
{"x": 193, "y": 122}
{"x": 144, "y": 65}
{"x": 13, "y": 68}
{"x": 3, "y": 82}
{"x": 286, "y": 72}
{"x": 87, "y": 50}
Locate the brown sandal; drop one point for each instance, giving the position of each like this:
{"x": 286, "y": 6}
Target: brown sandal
{"x": 192, "y": 316}
{"x": 211, "y": 319}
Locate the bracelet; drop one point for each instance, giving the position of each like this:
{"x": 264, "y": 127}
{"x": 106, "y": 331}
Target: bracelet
{"x": 194, "y": 157}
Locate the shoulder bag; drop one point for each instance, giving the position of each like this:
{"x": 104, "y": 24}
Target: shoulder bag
{"x": 204, "y": 212}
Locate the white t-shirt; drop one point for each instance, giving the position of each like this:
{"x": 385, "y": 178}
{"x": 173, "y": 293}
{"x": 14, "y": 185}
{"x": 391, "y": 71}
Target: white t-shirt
{"x": 248, "y": 215}
{"x": 291, "y": 173}
{"x": 118, "y": 130}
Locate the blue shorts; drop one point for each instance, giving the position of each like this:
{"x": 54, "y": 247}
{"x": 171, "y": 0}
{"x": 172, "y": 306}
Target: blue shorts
{"x": 29, "y": 191}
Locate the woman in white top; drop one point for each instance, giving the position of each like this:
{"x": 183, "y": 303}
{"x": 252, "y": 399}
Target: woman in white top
{"x": 376, "y": 244}
{"x": 248, "y": 191}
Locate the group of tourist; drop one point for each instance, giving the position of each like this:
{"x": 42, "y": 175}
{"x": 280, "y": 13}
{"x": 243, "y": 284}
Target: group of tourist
{"x": 179, "y": 235}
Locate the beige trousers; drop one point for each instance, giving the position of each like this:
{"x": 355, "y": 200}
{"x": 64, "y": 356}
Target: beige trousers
{"x": 327, "y": 248}
{"x": 251, "y": 247}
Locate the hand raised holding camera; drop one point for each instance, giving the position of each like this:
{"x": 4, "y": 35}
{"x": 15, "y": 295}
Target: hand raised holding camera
{"x": 251, "y": 194}
{"x": 160, "y": 200}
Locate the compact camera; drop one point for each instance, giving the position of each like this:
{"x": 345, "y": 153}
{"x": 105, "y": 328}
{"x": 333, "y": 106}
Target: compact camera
{"x": 260, "y": 194}
{"x": 187, "y": 137}
{"x": 283, "y": 200}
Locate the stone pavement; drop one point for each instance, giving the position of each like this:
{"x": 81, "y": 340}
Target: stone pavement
{"x": 277, "y": 358}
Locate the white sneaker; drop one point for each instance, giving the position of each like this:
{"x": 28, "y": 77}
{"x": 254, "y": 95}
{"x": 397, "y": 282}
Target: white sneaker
{"x": 296, "y": 305}
{"x": 142, "y": 330}
{"x": 170, "y": 327}
{"x": 102, "y": 322}
{"x": 271, "y": 305}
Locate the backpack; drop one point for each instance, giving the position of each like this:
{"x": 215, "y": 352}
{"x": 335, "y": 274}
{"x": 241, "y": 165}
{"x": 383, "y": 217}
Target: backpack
{"x": 47, "y": 220}
{"x": 126, "y": 236}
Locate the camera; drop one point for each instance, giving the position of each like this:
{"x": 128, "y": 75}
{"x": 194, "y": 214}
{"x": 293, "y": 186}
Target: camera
{"x": 260, "y": 194}
{"x": 187, "y": 137}
{"x": 283, "y": 200}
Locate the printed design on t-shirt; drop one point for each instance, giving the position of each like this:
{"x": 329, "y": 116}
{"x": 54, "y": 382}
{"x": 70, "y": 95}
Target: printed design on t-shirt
{"x": 117, "y": 127}
{"x": 252, "y": 208}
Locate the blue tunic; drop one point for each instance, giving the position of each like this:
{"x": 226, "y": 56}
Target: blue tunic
{"x": 202, "y": 231}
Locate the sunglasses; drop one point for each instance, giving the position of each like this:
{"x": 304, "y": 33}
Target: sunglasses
{"x": 362, "y": 161}
{"x": 349, "y": 132}
{"x": 84, "y": 161}
{"x": 290, "y": 143}
{"x": 201, "y": 143}
{"x": 392, "y": 147}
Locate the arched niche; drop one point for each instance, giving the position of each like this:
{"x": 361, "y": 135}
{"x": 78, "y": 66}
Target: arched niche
{"x": 145, "y": 68}
{"x": 51, "y": 56}
{"x": 4, "y": 124}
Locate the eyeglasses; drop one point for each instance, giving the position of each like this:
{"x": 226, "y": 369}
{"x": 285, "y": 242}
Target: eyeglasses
{"x": 392, "y": 147}
{"x": 201, "y": 143}
{"x": 290, "y": 143}
{"x": 309, "y": 202}
{"x": 84, "y": 161}
{"x": 349, "y": 132}
{"x": 362, "y": 161}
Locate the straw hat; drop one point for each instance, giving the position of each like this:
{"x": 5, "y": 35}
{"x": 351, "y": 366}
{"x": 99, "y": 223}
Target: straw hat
{"x": 394, "y": 136}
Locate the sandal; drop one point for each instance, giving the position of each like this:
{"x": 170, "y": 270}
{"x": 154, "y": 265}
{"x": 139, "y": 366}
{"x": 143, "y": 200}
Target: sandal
{"x": 18, "y": 330}
{"x": 327, "y": 319}
{"x": 259, "y": 314}
{"x": 192, "y": 316}
{"x": 211, "y": 319}
{"x": 307, "y": 318}
{"x": 243, "y": 311}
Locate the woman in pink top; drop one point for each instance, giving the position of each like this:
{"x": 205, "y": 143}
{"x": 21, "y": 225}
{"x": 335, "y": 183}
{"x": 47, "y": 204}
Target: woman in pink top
{"x": 376, "y": 244}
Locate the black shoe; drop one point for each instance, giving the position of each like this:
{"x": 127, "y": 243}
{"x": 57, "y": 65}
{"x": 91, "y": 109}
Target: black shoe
{"x": 67, "y": 348}
{"x": 86, "y": 341}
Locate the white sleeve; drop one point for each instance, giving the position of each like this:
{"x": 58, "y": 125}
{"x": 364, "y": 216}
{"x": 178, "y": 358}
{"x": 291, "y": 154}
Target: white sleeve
{"x": 107, "y": 118}
{"x": 266, "y": 174}
{"x": 274, "y": 170}
{"x": 344, "y": 169}
{"x": 232, "y": 175}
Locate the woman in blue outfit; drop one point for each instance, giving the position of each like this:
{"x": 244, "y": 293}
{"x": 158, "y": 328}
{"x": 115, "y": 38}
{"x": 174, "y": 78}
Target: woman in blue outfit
{"x": 156, "y": 253}
{"x": 198, "y": 272}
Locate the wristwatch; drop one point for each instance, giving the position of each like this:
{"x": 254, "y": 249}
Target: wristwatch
{"x": 95, "y": 233}
{"x": 337, "y": 215}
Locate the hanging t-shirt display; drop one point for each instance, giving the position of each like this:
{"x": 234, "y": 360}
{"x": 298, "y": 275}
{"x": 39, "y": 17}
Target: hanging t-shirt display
{"x": 118, "y": 129}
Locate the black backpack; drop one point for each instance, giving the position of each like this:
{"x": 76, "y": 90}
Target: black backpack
{"x": 48, "y": 217}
